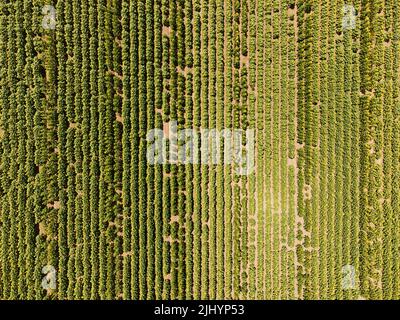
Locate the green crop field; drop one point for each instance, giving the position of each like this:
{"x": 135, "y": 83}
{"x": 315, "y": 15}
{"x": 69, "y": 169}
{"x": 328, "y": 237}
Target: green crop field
{"x": 306, "y": 206}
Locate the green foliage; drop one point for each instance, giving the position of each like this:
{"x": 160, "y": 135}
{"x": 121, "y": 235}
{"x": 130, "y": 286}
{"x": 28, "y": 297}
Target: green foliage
{"x": 77, "y": 191}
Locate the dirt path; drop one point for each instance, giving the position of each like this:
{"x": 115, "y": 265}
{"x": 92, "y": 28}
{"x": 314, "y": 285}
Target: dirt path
{"x": 256, "y": 191}
{"x": 280, "y": 156}
{"x": 297, "y": 294}
{"x": 264, "y": 171}
{"x": 271, "y": 168}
